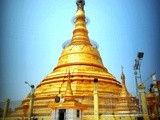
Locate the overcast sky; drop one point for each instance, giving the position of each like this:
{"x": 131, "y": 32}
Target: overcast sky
{"x": 32, "y": 33}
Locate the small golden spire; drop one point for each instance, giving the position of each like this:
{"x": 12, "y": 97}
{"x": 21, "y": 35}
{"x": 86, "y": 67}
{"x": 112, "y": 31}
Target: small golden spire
{"x": 123, "y": 78}
{"x": 124, "y": 91}
{"x": 126, "y": 103}
{"x": 68, "y": 94}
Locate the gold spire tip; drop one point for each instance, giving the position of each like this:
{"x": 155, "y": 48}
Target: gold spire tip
{"x": 80, "y": 3}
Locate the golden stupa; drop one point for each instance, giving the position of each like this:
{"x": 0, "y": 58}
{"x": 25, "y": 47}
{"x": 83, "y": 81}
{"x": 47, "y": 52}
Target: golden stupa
{"x": 126, "y": 104}
{"x": 83, "y": 61}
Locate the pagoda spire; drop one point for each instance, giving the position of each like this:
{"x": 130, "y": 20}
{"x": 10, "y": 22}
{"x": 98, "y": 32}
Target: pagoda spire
{"x": 124, "y": 91}
{"x": 80, "y": 32}
{"x": 69, "y": 93}
{"x": 126, "y": 103}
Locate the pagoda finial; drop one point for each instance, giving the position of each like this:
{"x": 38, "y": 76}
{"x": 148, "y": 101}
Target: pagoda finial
{"x": 80, "y": 3}
{"x": 122, "y": 75}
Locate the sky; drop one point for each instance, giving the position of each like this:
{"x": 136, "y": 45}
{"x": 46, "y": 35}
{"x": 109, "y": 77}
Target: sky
{"x": 32, "y": 33}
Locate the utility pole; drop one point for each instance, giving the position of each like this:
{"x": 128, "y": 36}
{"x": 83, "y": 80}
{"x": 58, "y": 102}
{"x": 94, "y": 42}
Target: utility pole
{"x": 137, "y": 73}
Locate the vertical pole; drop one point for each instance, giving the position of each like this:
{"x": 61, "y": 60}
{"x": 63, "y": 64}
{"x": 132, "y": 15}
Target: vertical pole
{"x": 31, "y": 104}
{"x": 135, "y": 73}
{"x": 137, "y": 93}
{"x": 141, "y": 88}
{"x": 156, "y": 94}
{"x": 30, "y": 108}
{"x": 96, "y": 102}
{"x": 6, "y": 108}
{"x": 137, "y": 67}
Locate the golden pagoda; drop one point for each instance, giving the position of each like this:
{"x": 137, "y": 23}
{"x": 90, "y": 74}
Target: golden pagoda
{"x": 84, "y": 62}
{"x": 126, "y": 104}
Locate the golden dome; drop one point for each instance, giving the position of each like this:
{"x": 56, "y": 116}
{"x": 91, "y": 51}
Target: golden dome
{"x": 80, "y": 55}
